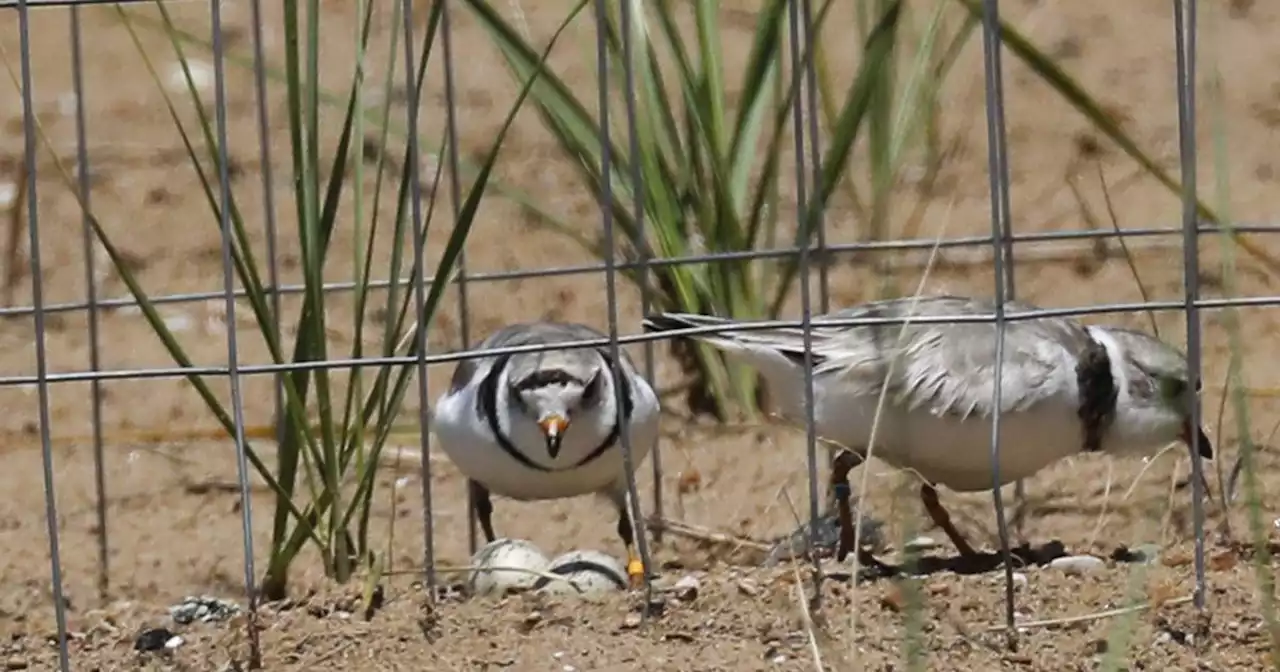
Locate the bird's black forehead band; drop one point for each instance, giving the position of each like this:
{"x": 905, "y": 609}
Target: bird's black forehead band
{"x": 545, "y": 377}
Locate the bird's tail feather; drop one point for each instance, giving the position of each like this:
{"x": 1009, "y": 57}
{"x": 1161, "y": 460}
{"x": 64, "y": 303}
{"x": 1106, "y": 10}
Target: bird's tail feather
{"x": 675, "y": 321}
{"x": 789, "y": 340}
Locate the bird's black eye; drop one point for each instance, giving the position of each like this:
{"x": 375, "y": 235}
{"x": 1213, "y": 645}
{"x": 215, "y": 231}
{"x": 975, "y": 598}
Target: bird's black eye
{"x": 516, "y": 394}
{"x": 1173, "y": 388}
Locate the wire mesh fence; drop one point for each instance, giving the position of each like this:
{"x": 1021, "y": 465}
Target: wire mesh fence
{"x": 624, "y": 148}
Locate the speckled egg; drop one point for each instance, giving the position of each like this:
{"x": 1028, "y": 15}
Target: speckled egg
{"x": 588, "y": 573}
{"x": 503, "y": 566}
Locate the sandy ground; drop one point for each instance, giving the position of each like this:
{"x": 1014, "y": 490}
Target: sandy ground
{"x": 175, "y": 525}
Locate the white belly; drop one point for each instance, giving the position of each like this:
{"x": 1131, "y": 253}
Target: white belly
{"x": 947, "y": 450}
{"x": 471, "y": 447}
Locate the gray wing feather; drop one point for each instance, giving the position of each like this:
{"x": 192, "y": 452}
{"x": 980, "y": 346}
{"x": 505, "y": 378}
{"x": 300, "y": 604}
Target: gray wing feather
{"x": 947, "y": 368}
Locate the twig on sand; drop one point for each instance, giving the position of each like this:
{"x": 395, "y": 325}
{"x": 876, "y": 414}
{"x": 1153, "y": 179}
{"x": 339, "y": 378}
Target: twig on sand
{"x": 697, "y": 533}
{"x": 1096, "y": 616}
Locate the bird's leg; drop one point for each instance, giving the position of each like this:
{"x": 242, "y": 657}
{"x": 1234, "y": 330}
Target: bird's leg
{"x": 844, "y": 462}
{"x": 635, "y": 566}
{"x": 841, "y": 465}
{"x": 929, "y": 495}
{"x": 484, "y": 508}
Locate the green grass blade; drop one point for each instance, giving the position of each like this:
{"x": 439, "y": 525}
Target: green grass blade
{"x": 445, "y": 267}
{"x": 877, "y": 59}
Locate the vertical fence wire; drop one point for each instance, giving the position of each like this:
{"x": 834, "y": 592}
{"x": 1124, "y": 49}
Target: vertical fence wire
{"x": 815, "y": 152}
{"x": 998, "y": 173}
{"x": 42, "y": 361}
{"x": 1184, "y": 20}
{"x": 84, "y": 188}
{"x": 233, "y": 352}
{"x": 806, "y": 300}
{"x": 634, "y": 510}
{"x": 1008, "y": 278}
{"x": 639, "y": 243}
{"x": 464, "y": 312}
{"x": 419, "y": 294}
{"x": 455, "y": 196}
{"x": 268, "y": 205}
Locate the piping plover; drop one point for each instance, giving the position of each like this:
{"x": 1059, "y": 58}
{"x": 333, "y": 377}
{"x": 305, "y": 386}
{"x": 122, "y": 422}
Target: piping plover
{"x": 546, "y": 425}
{"x": 1066, "y": 388}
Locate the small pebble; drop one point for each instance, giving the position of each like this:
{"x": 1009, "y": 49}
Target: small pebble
{"x": 201, "y": 76}
{"x": 686, "y": 589}
{"x": 1019, "y": 579}
{"x": 1077, "y": 565}
{"x": 178, "y": 323}
{"x": 15, "y": 664}
{"x": 920, "y": 544}
{"x": 154, "y": 639}
{"x": 632, "y": 620}
{"x": 1146, "y": 553}
{"x": 67, "y": 104}
{"x": 174, "y": 642}
{"x": 748, "y": 587}
{"x": 203, "y": 608}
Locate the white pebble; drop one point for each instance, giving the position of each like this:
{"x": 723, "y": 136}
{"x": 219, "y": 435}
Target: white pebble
{"x": 505, "y": 565}
{"x": 201, "y": 76}
{"x": 588, "y": 573}
{"x": 178, "y": 323}
{"x": 686, "y": 589}
{"x": 67, "y": 104}
{"x": 1077, "y": 565}
{"x": 8, "y": 194}
{"x": 174, "y": 642}
{"x": 1019, "y": 579}
{"x": 920, "y": 544}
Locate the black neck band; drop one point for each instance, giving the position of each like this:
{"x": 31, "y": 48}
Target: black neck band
{"x": 487, "y": 406}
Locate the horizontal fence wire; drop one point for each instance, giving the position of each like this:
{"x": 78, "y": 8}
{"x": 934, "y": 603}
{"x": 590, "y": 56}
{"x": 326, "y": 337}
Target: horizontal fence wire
{"x": 753, "y": 325}
{"x": 51, "y": 4}
{"x": 976, "y": 242}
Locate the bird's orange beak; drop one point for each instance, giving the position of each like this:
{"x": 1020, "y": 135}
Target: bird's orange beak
{"x": 553, "y": 427}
